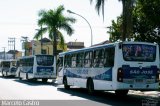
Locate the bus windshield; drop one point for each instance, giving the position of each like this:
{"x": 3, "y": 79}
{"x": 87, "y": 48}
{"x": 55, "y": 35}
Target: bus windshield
{"x": 139, "y": 52}
{"x": 45, "y": 60}
{"x": 6, "y": 64}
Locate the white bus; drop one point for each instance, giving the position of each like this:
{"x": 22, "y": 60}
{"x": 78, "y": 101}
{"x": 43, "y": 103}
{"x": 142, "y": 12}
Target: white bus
{"x": 8, "y": 67}
{"x": 119, "y": 67}
{"x": 36, "y": 67}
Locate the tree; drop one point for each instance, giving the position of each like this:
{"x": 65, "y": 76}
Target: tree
{"x": 127, "y": 16}
{"x": 99, "y": 5}
{"x": 55, "y": 21}
{"x": 146, "y": 19}
{"x": 146, "y": 22}
{"x": 115, "y": 30}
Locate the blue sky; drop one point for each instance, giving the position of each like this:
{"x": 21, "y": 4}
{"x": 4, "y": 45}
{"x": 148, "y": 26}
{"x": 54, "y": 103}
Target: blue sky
{"x": 19, "y": 18}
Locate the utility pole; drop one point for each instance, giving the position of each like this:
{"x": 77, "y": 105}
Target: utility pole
{"x": 25, "y": 40}
{"x": 4, "y": 53}
{"x": 11, "y": 44}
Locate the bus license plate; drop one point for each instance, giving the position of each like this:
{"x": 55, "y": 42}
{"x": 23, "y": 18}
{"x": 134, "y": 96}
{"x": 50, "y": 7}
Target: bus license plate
{"x": 139, "y": 80}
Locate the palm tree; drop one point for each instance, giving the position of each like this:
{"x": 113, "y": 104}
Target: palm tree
{"x": 54, "y": 21}
{"x": 99, "y": 5}
{"x": 127, "y": 15}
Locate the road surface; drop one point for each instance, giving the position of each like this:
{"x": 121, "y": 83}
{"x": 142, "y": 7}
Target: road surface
{"x": 14, "y": 89}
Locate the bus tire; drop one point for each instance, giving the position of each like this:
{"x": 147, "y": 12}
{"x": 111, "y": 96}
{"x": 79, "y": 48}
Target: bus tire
{"x": 2, "y": 74}
{"x": 34, "y": 79}
{"x": 26, "y": 76}
{"x": 90, "y": 86}
{"x": 19, "y": 76}
{"x": 121, "y": 92}
{"x": 66, "y": 86}
{"x": 44, "y": 80}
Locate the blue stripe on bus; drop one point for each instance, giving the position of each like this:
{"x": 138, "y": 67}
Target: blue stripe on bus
{"x": 107, "y": 75}
{"x": 139, "y": 72}
{"x": 44, "y": 69}
{"x": 26, "y": 69}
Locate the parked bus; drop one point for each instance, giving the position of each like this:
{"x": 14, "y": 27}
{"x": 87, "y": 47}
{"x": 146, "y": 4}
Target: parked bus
{"x": 119, "y": 67}
{"x": 8, "y": 67}
{"x": 36, "y": 67}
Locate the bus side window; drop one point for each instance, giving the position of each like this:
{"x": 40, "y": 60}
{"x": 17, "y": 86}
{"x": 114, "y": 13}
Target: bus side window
{"x": 88, "y": 59}
{"x": 109, "y": 57}
{"x": 79, "y": 60}
{"x": 95, "y": 59}
{"x": 98, "y": 58}
{"x": 73, "y": 60}
{"x": 60, "y": 62}
{"x": 67, "y": 61}
{"x": 101, "y": 58}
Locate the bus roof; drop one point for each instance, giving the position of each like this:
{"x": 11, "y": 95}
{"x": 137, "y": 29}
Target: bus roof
{"x": 88, "y": 48}
{"x": 101, "y": 46}
{"x": 8, "y": 60}
{"x": 35, "y": 55}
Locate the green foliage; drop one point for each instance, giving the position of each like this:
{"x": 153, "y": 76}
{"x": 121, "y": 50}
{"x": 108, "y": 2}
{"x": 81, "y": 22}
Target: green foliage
{"x": 115, "y": 31}
{"x": 146, "y": 19}
{"x": 99, "y": 6}
{"x": 146, "y": 22}
{"x": 54, "y": 21}
{"x": 126, "y": 29}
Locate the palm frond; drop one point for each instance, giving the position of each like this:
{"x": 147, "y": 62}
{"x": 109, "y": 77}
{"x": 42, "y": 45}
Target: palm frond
{"x": 99, "y": 6}
{"x": 55, "y": 21}
{"x": 61, "y": 40}
{"x": 91, "y": 1}
{"x": 66, "y": 27}
{"x": 59, "y": 10}
{"x": 40, "y": 33}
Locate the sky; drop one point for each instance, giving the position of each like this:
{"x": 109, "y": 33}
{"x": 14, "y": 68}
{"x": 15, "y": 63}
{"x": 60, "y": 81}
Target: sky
{"x": 19, "y": 18}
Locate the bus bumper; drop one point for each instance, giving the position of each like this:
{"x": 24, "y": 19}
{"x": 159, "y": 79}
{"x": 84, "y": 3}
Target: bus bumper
{"x": 45, "y": 76}
{"x": 153, "y": 86}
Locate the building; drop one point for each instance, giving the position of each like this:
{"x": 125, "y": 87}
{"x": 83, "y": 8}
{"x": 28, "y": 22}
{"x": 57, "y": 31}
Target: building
{"x": 44, "y": 46}
{"x": 75, "y": 45}
{"x": 34, "y": 47}
{"x": 10, "y": 54}
{"x": 102, "y": 43}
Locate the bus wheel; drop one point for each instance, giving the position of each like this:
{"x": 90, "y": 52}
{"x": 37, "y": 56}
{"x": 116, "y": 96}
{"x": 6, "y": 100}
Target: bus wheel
{"x": 2, "y": 74}
{"x": 26, "y": 76}
{"x": 19, "y": 76}
{"x": 44, "y": 80}
{"x": 90, "y": 86}
{"x": 121, "y": 92}
{"x": 66, "y": 86}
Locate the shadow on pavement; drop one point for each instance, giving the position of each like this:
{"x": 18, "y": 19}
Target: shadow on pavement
{"x": 36, "y": 82}
{"x": 109, "y": 98}
{"x": 8, "y": 77}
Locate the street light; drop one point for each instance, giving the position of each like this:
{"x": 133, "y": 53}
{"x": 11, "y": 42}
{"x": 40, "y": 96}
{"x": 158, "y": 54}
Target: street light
{"x": 69, "y": 11}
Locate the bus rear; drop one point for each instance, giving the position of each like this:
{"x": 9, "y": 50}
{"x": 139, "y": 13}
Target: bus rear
{"x": 44, "y": 67}
{"x": 137, "y": 66}
{"x": 8, "y": 67}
